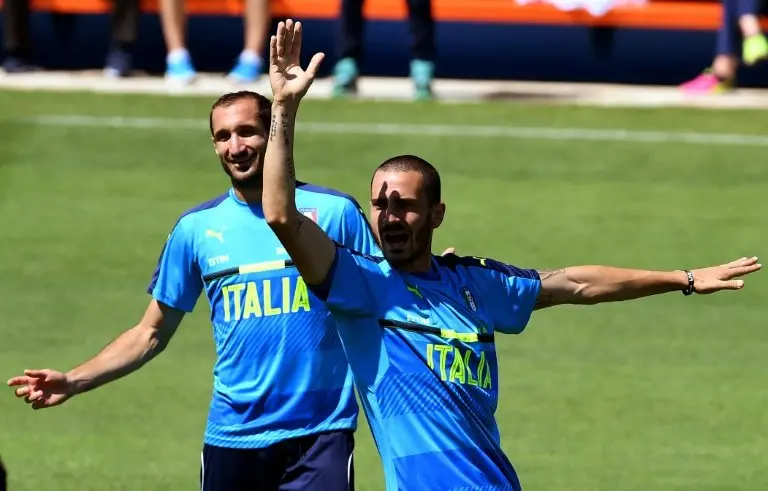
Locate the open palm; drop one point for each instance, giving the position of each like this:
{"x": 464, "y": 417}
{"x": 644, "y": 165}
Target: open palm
{"x": 288, "y": 80}
{"x": 723, "y": 277}
{"x": 42, "y": 388}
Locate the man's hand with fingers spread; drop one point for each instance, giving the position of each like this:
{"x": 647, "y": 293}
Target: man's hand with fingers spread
{"x": 42, "y": 388}
{"x": 723, "y": 277}
{"x": 288, "y": 80}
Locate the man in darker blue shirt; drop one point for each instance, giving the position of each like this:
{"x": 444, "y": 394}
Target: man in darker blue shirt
{"x": 418, "y": 329}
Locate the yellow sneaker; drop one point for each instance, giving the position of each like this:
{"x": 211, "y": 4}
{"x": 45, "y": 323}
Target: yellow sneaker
{"x": 754, "y": 49}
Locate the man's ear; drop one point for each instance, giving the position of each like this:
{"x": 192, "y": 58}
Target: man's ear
{"x": 438, "y": 215}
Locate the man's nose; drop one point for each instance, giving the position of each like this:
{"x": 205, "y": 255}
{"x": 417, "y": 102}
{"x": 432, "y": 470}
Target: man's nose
{"x": 236, "y": 144}
{"x": 392, "y": 214}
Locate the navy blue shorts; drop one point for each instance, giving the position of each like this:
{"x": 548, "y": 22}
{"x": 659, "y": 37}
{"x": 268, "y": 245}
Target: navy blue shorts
{"x": 321, "y": 462}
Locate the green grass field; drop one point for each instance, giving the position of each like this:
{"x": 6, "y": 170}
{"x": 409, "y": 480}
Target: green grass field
{"x": 666, "y": 393}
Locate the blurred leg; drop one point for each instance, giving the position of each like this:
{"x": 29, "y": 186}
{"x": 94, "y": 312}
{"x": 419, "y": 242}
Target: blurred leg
{"x": 178, "y": 62}
{"x": 729, "y": 35}
{"x": 349, "y": 46}
{"x": 351, "y": 24}
{"x": 422, "y": 26}
{"x": 16, "y": 28}
{"x": 724, "y": 67}
{"x": 755, "y": 46}
{"x": 125, "y": 23}
{"x": 750, "y": 25}
{"x": 720, "y": 75}
{"x": 746, "y": 13}
{"x": 174, "y": 22}
{"x": 249, "y": 64}
{"x": 257, "y": 18}
{"x": 124, "y": 31}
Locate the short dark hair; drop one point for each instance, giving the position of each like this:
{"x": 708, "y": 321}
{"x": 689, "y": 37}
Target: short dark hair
{"x": 411, "y": 163}
{"x": 263, "y": 104}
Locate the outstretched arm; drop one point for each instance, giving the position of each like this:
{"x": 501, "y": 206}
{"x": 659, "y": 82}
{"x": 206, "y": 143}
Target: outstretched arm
{"x": 589, "y": 285}
{"x": 312, "y": 251}
{"x": 130, "y": 351}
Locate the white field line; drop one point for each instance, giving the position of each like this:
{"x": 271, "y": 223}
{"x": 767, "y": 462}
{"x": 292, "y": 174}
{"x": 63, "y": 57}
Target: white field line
{"x": 457, "y": 131}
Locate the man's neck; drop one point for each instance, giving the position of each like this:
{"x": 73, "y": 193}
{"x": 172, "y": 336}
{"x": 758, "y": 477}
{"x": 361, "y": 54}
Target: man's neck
{"x": 248, "y": 195}
{"x": 421, "y": 265}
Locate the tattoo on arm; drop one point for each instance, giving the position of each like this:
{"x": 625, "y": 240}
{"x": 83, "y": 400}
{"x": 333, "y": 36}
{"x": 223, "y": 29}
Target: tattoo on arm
{"x": 300, "y": 223}
{"x": 273, "y": 128}
{"x": 291, "y": 169}
{"x": 273, "y": 136}
{"x": 546, "y": 298}
{"x": 285, "y": 131}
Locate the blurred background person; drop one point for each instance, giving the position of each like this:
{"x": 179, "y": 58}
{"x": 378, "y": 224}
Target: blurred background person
{"x": 124, "y": 31}
{"x": 16, "y": 36}
{"x": 739, "y": 38}
{"x": 249, "y": 65}
{"x": 18, "y": 46}
{"x": 350, "y": 47}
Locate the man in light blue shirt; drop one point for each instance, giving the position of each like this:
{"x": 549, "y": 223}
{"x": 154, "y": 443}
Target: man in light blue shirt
{"x": 283, "y": 409}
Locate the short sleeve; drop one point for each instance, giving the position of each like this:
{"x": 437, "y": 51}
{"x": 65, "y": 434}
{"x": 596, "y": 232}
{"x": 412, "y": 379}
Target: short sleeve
{"x": 351, "y": 281}
{"x": 177, "y": 281}
{"x": 357, "y": 232}
{"x": 514, "y": 295}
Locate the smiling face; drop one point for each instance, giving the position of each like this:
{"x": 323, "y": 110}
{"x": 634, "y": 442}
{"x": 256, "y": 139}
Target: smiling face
{"x": 404, "y": 219}
{"x": 240, "y": 140}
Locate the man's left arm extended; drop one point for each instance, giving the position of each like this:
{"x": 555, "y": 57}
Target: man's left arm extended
{"x": 589, "y": 285}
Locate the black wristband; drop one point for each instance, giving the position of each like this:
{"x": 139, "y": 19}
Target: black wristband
{"x": 689, "y": 289}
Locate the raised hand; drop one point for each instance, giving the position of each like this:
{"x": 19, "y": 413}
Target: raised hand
{"x": 42, "y": 388}
{"x": 716, "y": 278}
{"x": 289, "y": 82}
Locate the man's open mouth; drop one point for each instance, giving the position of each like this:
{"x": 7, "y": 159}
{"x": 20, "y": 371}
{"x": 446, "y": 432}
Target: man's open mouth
{"x": 244, "y": 163}
{"x": 396, "y": 237}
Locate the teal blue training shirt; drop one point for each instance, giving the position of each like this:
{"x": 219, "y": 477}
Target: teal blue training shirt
{"x": 421, "y": 348}
{"x": 280, "y": 370}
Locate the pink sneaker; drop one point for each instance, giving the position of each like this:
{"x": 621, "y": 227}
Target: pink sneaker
{"x": 706, "y": 83}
